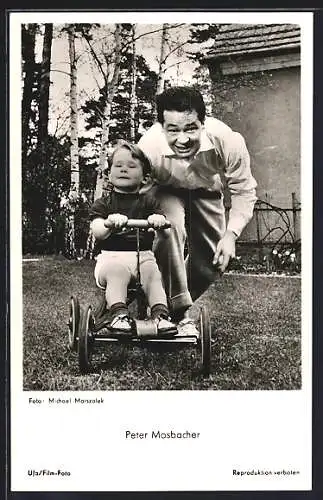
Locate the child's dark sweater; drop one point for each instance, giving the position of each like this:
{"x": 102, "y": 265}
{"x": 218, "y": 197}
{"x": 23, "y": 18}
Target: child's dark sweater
{"x": 134, "y": 206}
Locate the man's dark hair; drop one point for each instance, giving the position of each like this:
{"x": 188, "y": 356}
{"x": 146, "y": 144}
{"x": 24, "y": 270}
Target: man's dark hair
{"x": 180, "y": 99}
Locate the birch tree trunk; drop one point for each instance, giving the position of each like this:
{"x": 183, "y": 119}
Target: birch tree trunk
{"x": 102, "y": 187}
{"x": 100, "y": 180}
{"x": 111, "y": 86}
{"x": 74, "y": 154}
{"x": 133, "y": 98}
{"x": 75, "y": 175}
{"x": 162, "y": 60}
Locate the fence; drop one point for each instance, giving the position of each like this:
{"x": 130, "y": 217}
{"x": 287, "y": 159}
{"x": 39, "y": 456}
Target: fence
{"x": 274, "y": 235}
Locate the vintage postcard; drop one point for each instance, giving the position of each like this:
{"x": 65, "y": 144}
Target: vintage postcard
{"x": 161, "y": 251}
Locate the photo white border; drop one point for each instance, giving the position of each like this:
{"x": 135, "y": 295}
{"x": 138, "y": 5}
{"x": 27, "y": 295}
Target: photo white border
{"x": 240, "y": 429}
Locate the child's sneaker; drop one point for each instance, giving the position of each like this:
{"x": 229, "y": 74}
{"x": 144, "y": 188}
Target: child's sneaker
{"x": 102, "y": 321}
{"x": 121, "y": 322}
{"x": 164, "y": 324}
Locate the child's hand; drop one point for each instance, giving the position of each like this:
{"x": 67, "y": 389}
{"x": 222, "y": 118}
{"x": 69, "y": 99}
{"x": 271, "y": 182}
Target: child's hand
{"x": 116, "y": 221}
{"x": 157, "y": 221}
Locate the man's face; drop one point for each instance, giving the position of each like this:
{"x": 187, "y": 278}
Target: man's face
{"x": 183, "y": 132}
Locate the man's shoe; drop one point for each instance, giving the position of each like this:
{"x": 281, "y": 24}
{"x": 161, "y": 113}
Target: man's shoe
{"x": 122, "y": 322}
{"x": 187, "y": 328}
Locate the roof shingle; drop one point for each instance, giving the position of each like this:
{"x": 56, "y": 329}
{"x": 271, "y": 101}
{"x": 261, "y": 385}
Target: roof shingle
{"x": 239, "y": 39}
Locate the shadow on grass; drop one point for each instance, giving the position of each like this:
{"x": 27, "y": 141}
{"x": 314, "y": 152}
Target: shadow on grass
{"x": 256, "y": 337}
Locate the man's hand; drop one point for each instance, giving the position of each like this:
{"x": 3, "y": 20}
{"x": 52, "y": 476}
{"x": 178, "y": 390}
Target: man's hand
{"x": 116, "y": 221}
{"x": 156, "y": 221}
{"x": 225, "y": 250}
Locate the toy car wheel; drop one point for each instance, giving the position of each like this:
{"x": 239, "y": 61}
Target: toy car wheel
{"x": 86, "y": 339}
{"x": 205, "y": 331}
{"x": 73, "y": 323}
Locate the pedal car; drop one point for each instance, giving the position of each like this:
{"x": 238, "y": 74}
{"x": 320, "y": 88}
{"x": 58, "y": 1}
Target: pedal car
{"x": 85, "y": 329}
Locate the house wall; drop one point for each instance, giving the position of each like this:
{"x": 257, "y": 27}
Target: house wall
{"x": 264, "y": 107}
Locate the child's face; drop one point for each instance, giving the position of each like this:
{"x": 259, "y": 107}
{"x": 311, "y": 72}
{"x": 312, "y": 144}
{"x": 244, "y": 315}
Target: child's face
{"x": 126, "y": 172}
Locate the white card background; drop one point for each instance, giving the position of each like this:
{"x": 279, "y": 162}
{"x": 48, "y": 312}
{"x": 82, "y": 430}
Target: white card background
{"x": 247, "y": 431}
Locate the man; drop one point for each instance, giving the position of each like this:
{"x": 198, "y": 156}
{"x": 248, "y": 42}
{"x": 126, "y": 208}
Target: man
{"x": 192, "y": 157}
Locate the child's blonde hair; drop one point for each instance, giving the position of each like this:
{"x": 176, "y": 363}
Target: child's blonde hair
{"x": 136, "y": 153}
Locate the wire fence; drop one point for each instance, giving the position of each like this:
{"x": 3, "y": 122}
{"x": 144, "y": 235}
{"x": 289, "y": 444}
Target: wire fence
{"x": 274, "y": 236}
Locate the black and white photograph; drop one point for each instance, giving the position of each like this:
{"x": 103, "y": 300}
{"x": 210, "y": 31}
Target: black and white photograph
{"x": 161, "y": 247}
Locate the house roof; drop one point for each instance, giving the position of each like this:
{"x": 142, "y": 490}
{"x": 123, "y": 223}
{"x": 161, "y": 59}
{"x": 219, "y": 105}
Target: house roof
{"x": 245, "y": 39}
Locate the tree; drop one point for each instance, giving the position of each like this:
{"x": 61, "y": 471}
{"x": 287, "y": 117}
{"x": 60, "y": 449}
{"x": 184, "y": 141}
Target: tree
{"x": 29, "y": 67}
{"x": 202, "y": 33}
{"x": 162, "y": 59}
{"x": 202, "y": 36}
{"x": 74, "y": 150}
{"x": 44, "y": 84}
{"x": 46, "y": 166}
{"x": 55, "y": 182}
{"x": 172, "y": 52}
{"x": 145, "y": 91}
{"x": 73, "y": 113}
{"x": 107, "y": 61}
{"x": 133, "y": 97}
{"x": 38, "y": 209}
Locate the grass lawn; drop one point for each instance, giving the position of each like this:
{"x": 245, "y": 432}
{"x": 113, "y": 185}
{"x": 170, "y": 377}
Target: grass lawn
{"x": 256, "y": 336}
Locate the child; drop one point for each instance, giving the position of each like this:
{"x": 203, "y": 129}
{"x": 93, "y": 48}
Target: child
{"x": 117, "y": 262}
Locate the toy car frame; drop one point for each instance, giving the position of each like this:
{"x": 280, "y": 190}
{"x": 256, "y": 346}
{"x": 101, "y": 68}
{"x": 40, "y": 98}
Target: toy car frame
{"x": 85, "y": 329}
